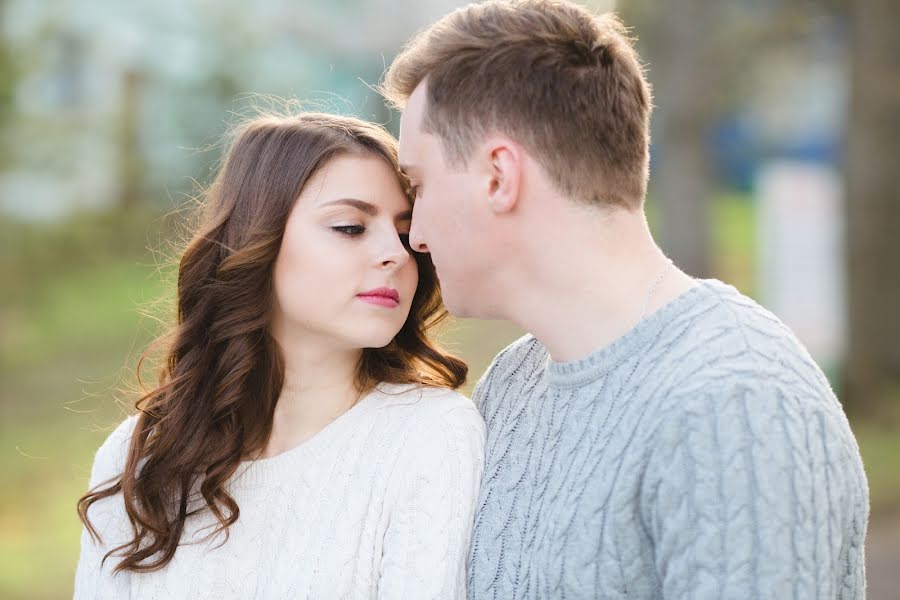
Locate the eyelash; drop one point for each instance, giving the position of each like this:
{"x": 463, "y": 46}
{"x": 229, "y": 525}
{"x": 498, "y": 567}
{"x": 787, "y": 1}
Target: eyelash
{"x": 350, "y": 230}
{"x": 357, "y": 230}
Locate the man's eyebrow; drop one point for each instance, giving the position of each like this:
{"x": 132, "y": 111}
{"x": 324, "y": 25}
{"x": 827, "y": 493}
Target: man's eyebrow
{"x": 369, "y": 209}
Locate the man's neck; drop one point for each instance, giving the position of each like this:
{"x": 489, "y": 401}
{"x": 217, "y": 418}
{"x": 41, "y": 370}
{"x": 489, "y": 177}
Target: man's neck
{"x": 584, "y": 289}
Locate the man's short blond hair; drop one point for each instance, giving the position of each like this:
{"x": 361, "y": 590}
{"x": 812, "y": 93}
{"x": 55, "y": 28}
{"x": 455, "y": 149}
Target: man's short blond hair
{"x": 564, "y": 83}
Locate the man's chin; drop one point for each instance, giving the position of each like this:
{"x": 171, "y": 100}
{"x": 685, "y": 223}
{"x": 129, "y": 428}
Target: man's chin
{"x": 461, "y": 304}
{"x": 465, "y": 310}
{"x": 455, "y": 307}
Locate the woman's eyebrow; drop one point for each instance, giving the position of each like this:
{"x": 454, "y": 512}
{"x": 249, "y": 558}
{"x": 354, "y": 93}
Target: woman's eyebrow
{"x": 367, "y": 208}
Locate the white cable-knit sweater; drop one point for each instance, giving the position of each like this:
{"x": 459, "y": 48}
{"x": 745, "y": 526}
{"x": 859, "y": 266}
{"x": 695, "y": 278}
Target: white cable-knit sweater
{"x": 379, "y": 504}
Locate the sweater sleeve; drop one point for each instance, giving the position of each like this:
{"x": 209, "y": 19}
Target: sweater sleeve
{"x": 94, "y": 578}
{"x": 427, "y": 538}
{"x": 753, "y": 493}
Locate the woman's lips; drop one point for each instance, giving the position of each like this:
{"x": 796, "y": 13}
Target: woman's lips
{"x": 379, "y": 300}
{"x": 387, "y": 297}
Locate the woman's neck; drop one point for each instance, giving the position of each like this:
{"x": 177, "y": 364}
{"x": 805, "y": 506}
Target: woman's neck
{"x": 319, "y": 386}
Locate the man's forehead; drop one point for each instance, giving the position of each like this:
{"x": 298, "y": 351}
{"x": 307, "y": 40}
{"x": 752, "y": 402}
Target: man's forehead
{"x": 411, "y": 117}
{"x": 408, "y": 144}
{"x": 411, "y": 126}
{"x": 407, "y": 127}
{"x": 406, "y": 152}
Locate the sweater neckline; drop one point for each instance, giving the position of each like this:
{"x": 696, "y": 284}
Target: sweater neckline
{"x": 261, "y": 471}
{"x": 578, "y": 372}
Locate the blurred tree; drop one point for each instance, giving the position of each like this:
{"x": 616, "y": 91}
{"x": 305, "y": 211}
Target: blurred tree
{"x": 872, "y": 375}
{"x": 684, "y": 75}
{"x": 8, "y": 78}
{"x": 703, "y": 59}
{"x": 130, "y": 163}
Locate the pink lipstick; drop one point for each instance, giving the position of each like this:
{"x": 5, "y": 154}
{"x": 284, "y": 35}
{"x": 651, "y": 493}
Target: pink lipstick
{"x": 383, "y": 296}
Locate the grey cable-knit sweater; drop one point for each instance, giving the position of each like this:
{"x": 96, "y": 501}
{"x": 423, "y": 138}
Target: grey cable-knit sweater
{"x": 701, "y": 455}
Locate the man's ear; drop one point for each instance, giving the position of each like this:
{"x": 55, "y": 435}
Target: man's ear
{"x": 503, "y": 159}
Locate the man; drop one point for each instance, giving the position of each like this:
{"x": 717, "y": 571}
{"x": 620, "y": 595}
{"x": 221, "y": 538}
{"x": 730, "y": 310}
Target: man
{"x": 653, "y": 436}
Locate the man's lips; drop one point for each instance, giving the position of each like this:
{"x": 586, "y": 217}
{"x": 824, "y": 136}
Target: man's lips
{"x": 383, "y": 296}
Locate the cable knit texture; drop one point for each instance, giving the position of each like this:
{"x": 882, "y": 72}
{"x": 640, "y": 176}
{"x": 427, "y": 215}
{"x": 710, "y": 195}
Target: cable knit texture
{"x": 701, "y": 455}
{"x": 378, "y": 504}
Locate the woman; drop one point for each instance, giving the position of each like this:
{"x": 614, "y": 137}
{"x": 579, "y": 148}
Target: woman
{"x": 304, "y": 440}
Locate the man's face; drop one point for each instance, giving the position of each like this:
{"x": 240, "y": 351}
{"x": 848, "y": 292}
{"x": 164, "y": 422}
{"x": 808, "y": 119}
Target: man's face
{"x": 451, "y": 214}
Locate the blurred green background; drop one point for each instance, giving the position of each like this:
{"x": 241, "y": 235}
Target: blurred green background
{"x": 775, "y": 160}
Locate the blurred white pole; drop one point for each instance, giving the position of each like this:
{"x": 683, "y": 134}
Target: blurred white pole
{"x": 801, "y": 253}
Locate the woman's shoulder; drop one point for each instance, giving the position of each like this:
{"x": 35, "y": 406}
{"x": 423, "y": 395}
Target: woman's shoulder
{"x": 438, "y": 426}
{"x": 422, "y": 399}
{"x": 110, "y": 459}
{"x": 429, "y": 408}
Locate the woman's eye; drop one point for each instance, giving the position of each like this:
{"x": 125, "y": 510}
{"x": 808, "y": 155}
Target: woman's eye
{"x": 350, "y": 230}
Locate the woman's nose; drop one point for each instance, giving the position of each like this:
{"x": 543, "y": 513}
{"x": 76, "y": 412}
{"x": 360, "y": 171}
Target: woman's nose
{"x": 395, "y": 253}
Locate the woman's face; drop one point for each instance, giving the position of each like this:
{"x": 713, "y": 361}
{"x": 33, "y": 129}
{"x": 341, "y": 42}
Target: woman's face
{"x": 344, "y": 276}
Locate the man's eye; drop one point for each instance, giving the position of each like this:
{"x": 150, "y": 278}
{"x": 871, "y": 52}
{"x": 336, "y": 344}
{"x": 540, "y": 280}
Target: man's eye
{"x": 350, "y": 230}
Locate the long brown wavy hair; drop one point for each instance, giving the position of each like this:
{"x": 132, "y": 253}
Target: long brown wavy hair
{"x": 222, "y": 374}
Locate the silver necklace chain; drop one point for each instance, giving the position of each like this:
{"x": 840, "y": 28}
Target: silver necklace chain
{"x": 656, "y": 282}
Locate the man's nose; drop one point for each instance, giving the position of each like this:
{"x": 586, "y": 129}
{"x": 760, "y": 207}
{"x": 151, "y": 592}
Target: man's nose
{"x": 416, "y": 241}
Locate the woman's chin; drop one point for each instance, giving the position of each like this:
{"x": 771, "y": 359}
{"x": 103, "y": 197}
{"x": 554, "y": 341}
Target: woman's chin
{"x": 377, "y": 339}
{"x": 375, "y": 345}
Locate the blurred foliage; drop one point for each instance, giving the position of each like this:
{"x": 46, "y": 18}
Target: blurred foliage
{"x": 8, "y": 76}
{"x": 69, "y": 313}
{"x": 86, "y": 239}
